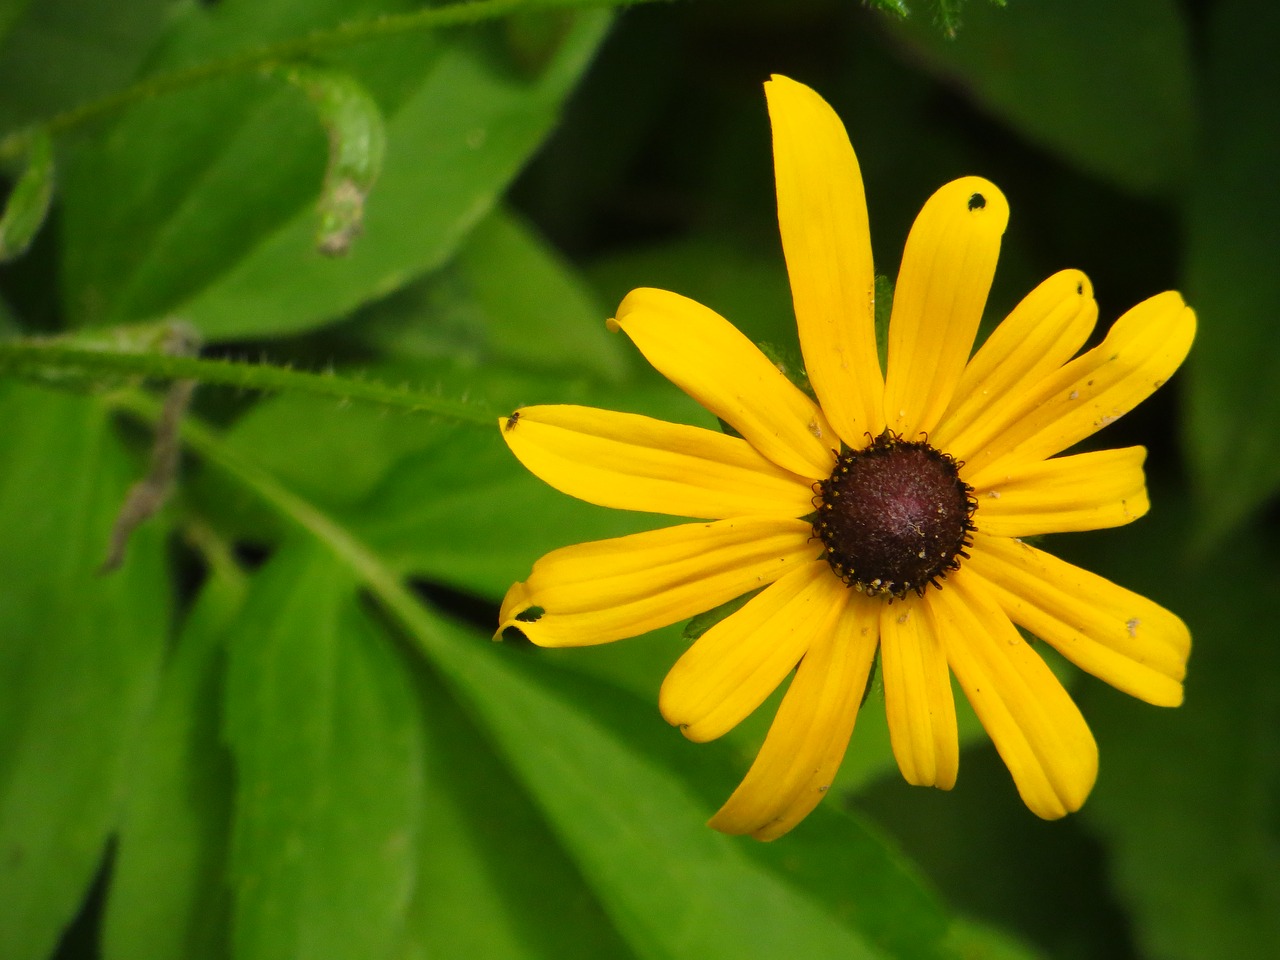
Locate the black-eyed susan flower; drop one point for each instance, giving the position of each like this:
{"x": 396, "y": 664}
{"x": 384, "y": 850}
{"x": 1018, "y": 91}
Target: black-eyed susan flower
{"x": 884, "y": 517}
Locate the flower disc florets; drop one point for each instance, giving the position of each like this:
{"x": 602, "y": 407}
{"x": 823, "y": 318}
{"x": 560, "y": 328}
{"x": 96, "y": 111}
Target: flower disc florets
{"x": 895, "y": 516}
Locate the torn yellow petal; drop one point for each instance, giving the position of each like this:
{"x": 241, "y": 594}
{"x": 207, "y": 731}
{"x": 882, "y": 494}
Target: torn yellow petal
{"x": 811, "y": 731}
{"x": 822, "y": 215}
{"x": 598, "y": 592}
{"x": 631, "y": 462}
{"x": 946, "y": 273}
{"x": 917, "y": 696}
{"x": 734, "y": 666}
{"x": 706, "y": 357}
{"x": 1141, "y": 352}
{"x": 1036, "y": 728}
{"x": 1115, "y": 634}
{"x": 1042, "y": 333}
{"x": 1086, "y": 491}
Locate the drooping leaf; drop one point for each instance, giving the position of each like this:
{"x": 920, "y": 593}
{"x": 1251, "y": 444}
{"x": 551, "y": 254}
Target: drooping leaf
{"x": 79, "y": 656}
{"x": 1233, "y": 231}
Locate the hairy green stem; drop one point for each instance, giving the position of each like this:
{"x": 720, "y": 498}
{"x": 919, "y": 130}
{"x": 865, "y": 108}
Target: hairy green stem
{"x": 54, "y": 362}
{"x": 344, "y": 35}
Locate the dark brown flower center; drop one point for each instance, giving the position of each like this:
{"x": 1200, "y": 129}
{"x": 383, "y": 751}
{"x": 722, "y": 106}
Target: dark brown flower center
{"x": 895, "y": 516}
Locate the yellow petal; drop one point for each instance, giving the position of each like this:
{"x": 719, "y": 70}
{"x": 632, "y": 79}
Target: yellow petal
{"x": 917, "y": 696}
{"x": 1086, "y": 491}
{"x": 1125, "y": 639}
{"x": 1035, "y": 726}
{"x": 822, "y": 214}
{"x": 734, "y": 666}
{"x": 808, "y": 737}
{"x": 706, "y": 357}
{"x": 602, "y": 591}
{"x": 1141, "y": 352}
{"x": 946, "y": 273}
{"x": 630, "y": 462}
{"x": 1042, "y": 333}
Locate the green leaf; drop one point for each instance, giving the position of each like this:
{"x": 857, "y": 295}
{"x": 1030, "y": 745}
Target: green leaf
{"x": 746, "y": 285}
{"x": 507, "y": 318}
{"x": 332, "y": 454}
{"x": 1105, "y": 85}
{"x": 447, "y": 504}
{"x": 975, "y": 941}
{"x": 28, "y": 202}
{"x": 604, "y": 769}
{"x": 506, "y": 299}
{"x": 452, "y": 148}
{"x": 319, "y": 718}
{"x": 1233, "y": 231}
{"x": 168, "y": 895}
{"x": 197, "y": 177}
{"x": 79, "y": 657}
{"x": 464, "y": 512}
{"x": 1187, "y": 798}
{"x": 211, "y": 190}
{"x": 59, "y": 53}
{"x": 487, "y": 862}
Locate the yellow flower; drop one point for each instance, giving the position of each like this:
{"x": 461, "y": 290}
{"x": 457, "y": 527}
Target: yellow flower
{"x": 886, "y": 516}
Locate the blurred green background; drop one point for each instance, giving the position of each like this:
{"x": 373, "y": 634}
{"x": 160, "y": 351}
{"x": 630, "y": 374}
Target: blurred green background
{"x": 252, "y": 740}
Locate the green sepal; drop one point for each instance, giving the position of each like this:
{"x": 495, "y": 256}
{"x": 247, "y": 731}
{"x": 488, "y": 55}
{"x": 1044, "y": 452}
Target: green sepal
{"x": 884, "y": 310}
{"x": 790, "y": 364}
{"x": 705, "y": 621}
